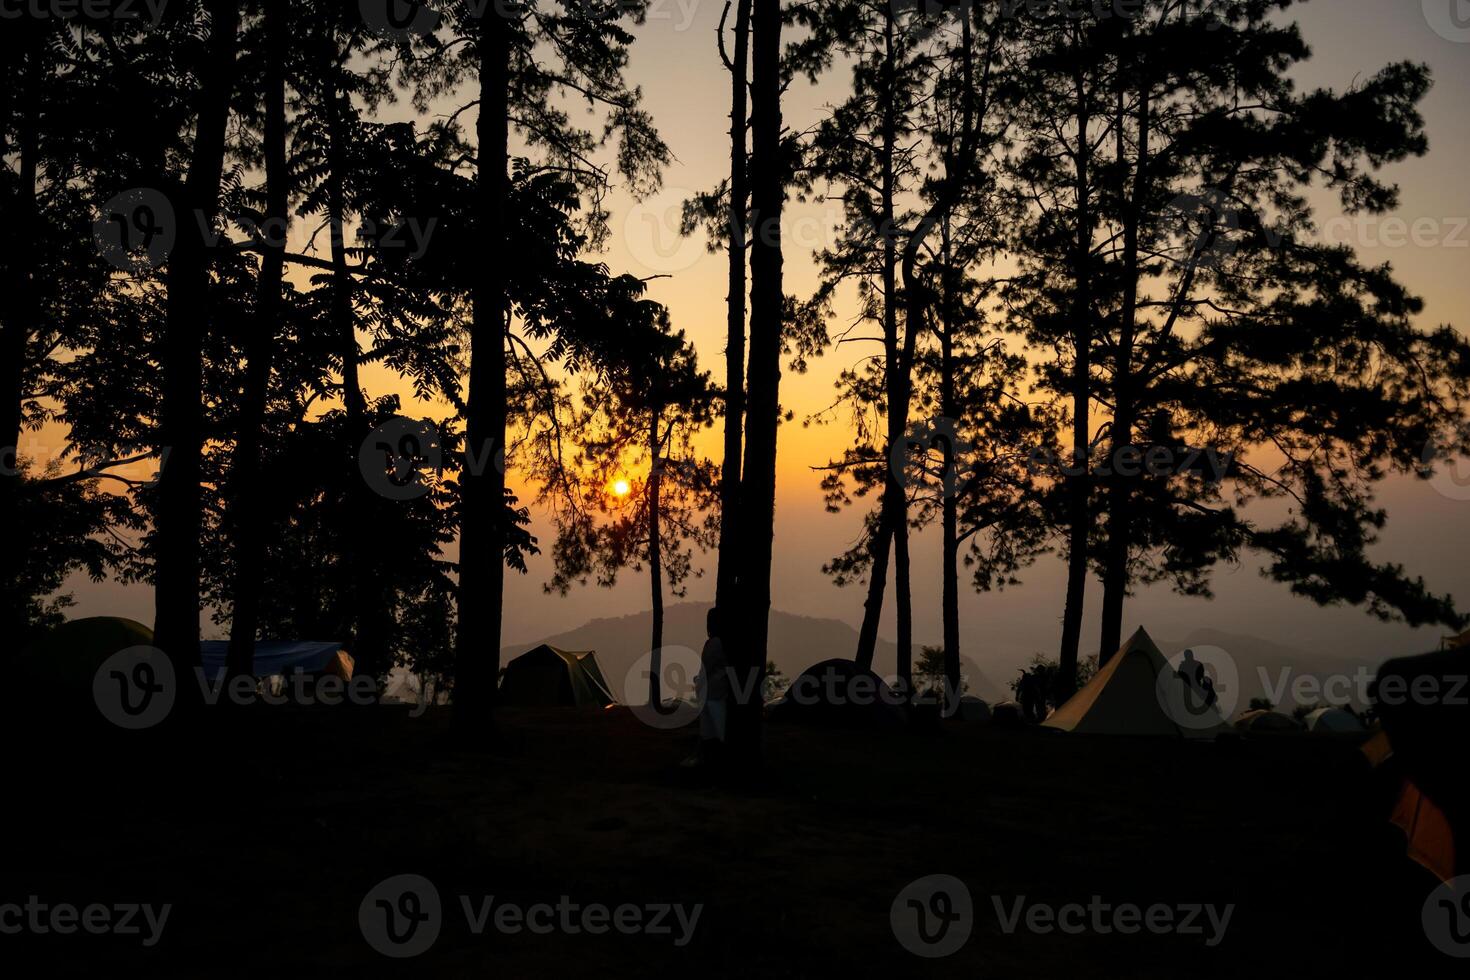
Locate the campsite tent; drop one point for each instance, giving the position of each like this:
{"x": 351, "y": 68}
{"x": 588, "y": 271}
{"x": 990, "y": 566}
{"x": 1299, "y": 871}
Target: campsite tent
{"x": 973, "y": 709}
{"x": 1008, "y": 714}
{"x": 67, "y": 658}
{"x": 404, "y": 686}
{"x": 548, "y": 676}
{"x": 1136, "y": 694}
{"x": 839, "y": 692}
{"x": 1333, "y": 721}
{"x": 1422, "y": 751}
{"x": 1261, "y": 720}
{"x": 281, "y": 657}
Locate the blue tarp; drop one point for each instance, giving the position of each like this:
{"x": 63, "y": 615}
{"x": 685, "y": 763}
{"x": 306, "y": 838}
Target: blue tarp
{"x": 272, "y": 657}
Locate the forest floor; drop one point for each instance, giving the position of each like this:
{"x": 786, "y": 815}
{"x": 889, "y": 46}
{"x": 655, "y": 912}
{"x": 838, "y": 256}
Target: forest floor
{"x": 266, "y": 831}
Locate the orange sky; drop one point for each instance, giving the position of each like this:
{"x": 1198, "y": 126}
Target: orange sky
{"x": 686, "y": 90}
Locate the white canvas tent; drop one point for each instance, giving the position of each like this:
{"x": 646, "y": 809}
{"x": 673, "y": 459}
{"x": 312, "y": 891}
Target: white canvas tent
{"x": 1137, "y": 693}
{"x": 403, "y": 686}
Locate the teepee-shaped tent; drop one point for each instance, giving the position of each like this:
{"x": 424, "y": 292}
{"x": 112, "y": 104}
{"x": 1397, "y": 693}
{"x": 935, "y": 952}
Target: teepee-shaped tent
{"x": 1137, "y": 693}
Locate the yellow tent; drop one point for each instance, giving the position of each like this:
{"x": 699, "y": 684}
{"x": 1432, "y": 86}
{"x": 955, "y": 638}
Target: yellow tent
{"x": 1135, "y": 694}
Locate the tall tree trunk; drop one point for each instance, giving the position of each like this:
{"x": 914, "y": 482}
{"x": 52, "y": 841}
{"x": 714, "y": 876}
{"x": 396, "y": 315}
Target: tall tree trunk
{"x": 956, "y": 175}
{"x": 180, "y": 514}
{"x": 247, "y": 503}
{"x": 482, "y": 538}
{"x": 655, "y": 559}
{"x": 735, "y": 322}
{"x": 950, "y": 520}
{"x": 892, "y": 503}
{"x": 16, "y": 328}
{"x": 1125, "y": 411}
{"x": 899, "y": 380}
{"x": 880, "y": 544}
{"x": 1078, "y": 482}
{"x": 758, "y": 482}
{"x": 904, "y": 600}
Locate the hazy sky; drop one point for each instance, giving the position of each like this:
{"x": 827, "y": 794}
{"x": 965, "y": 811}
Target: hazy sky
{"x": 686, "y": 89}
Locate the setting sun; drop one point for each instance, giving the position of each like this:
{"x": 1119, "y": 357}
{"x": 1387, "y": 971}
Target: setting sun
{"x": 621, "y": 488}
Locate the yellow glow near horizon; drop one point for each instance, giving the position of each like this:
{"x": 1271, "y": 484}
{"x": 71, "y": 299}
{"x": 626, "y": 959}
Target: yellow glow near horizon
{"x": 621, "y": 488}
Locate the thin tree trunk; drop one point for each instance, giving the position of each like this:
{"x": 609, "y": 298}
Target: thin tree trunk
{"x": 903, "y": 596}
{"x": 892, "y": 503}
{"x": 916, "y": 302}
{"x": 180, "y": 509}
{"x": 1078, "y": 481}
{"x": 247, "y": 505}
{"x": 655, "y": 559}
{"x": 880, "y": 543}
{"x": 735, "y": 323}
{"x": 949, "y": 407}
{"x": 1125, "y": 414}
{"x": 758, "y": 483}
{"x": 482, "y": 537}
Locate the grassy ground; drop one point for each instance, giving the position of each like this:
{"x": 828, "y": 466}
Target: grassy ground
{"x": 266, "y": 831}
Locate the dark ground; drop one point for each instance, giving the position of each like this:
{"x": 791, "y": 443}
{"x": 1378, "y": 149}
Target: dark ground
{"x": 265, "y": 831}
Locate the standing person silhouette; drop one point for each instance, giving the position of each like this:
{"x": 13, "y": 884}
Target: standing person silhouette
{"x": 713, "y": 685}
